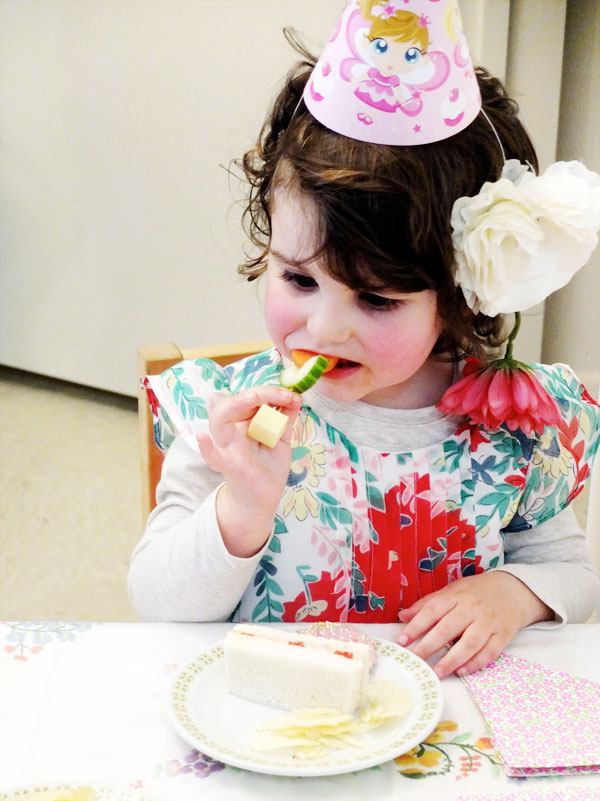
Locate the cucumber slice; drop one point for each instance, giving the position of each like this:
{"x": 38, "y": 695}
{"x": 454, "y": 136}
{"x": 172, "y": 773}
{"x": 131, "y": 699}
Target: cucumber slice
{"x": 299, "y": 379}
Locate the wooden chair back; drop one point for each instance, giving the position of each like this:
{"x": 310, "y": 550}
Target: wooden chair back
{"x": 153, "y": 360}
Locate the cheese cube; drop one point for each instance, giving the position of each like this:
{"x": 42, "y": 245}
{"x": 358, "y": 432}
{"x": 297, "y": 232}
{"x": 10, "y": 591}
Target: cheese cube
{"x": 267, "y": 425}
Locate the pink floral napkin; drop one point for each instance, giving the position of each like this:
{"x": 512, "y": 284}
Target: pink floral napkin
{"x": 542, "y": 721}
{"x": 562, "y": 794}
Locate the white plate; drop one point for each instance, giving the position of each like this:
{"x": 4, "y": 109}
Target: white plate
{"x": 103, "y": 792}
{"x": 223, "y": 726}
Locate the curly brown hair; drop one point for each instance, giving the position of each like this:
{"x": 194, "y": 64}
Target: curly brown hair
{"x": 384, "y": 211}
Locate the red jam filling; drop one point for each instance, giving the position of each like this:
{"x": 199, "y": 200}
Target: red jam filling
{"x": 347, "y": 654}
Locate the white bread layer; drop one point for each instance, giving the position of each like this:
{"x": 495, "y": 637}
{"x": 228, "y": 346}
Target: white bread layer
{"x": 292, "y": 671}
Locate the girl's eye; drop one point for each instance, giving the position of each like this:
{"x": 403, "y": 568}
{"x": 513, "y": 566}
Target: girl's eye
{"x": 379, "y": 46}
{"x": 379, "y": 302}
{"x": 299, "y": 281}
{"x": 412, "y": 55}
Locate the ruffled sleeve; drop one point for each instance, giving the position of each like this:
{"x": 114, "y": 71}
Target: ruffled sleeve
{"x": 182, "y": 397}
{"x": 559, "y": 461}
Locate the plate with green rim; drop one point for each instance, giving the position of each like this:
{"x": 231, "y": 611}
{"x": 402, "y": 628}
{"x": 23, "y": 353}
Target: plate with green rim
{"x": 223, "y": 726}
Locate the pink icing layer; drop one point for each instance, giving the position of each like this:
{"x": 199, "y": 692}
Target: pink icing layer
{"x": 341, "y": 631}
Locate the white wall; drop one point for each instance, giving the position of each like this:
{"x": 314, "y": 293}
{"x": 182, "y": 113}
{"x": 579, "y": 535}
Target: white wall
{"x": 118, "y": 222}
{"x": 117, "y": 219}
{"x": 572, "y": 319}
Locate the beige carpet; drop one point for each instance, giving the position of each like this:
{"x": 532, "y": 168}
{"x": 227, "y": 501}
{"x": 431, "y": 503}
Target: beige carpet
{"x": 70, "y": 500}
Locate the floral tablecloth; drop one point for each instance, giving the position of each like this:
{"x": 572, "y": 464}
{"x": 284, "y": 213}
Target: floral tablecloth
{"x": 88, "y": 703}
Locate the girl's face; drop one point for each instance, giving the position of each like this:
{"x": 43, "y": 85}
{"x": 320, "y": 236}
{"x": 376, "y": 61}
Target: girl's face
{"x": 383, "y": 340}
{"x": 393, "y": 57}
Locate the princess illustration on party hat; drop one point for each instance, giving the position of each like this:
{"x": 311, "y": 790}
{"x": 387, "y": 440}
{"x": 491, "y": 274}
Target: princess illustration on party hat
{"x": 396, "y": 47}
{"x": 385, "y": 59}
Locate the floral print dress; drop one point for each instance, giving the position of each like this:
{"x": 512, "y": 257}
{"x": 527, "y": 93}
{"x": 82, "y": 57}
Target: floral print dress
{"x": 361, "y": 533}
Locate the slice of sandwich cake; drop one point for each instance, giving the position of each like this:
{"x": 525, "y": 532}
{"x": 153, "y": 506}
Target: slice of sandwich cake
{"x": 292, "y": 671}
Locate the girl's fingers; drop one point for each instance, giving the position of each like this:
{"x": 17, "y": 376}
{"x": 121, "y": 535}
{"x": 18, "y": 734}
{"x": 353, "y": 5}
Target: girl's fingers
{"x": 278, "y": 396}
{"x": 465, "y": 658}
{"x": 209, "y": 453}
{"x": 292, "y": 413}
{"x": 449, "y": 628}
{"x": 406, "y": 615}
{"x": 423, "y": 616}
{"x": 492, "y": 649}
{"x": 234, "y": 411}
{"x": 242, "y": 407}
{"x": 472, "y": 642}
{"x": 472, "y": 615}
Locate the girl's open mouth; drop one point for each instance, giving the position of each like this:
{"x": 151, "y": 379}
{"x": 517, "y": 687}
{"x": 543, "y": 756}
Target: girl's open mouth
{"x": 342, "y": 369}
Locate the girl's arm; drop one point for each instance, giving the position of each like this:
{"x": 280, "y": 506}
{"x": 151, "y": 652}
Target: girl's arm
{"x": 254, "y": 475}
{"x": 553, "y": 560}
{"x": 182, "y": 569}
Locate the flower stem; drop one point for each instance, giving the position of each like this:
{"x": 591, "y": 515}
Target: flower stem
{"x": 512, "y": 336}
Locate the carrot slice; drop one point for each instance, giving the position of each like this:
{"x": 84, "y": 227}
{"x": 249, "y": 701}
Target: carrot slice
{"x": 299, "y": 357}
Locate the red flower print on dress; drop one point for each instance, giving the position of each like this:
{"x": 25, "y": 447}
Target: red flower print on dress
{"x": 585, "y": 396}
{"x": 421, "y": 545}
{"x": 152, "y": 399}
{"x": 315, "y": 602}
{"x": 478, "y": 436}
{"x": 568, "y": 434}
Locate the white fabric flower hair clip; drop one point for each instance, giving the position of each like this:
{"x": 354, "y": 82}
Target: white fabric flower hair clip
{"x": 524, "y": 236}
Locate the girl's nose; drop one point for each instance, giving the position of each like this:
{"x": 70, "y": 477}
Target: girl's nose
{"x": 328, "y": 323}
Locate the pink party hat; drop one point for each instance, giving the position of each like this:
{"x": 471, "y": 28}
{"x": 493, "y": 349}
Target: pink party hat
{"x": 395, "y": 72}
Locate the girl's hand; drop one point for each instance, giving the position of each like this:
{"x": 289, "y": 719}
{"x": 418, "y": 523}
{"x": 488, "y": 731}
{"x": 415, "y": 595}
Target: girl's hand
{"x": 254, "y": 474}
{"x": 482, "y": 613}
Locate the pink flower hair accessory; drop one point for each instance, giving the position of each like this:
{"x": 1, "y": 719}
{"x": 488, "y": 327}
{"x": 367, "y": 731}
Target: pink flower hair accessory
{"x": 505, "y": 391}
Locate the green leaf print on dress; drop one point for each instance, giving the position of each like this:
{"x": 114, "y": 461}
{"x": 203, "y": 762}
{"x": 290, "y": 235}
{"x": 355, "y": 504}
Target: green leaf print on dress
{"x": 269, "y": 609}
{"x": 189, "y": 404}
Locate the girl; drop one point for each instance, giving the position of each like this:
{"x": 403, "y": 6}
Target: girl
{"x": 376, "y": 505}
